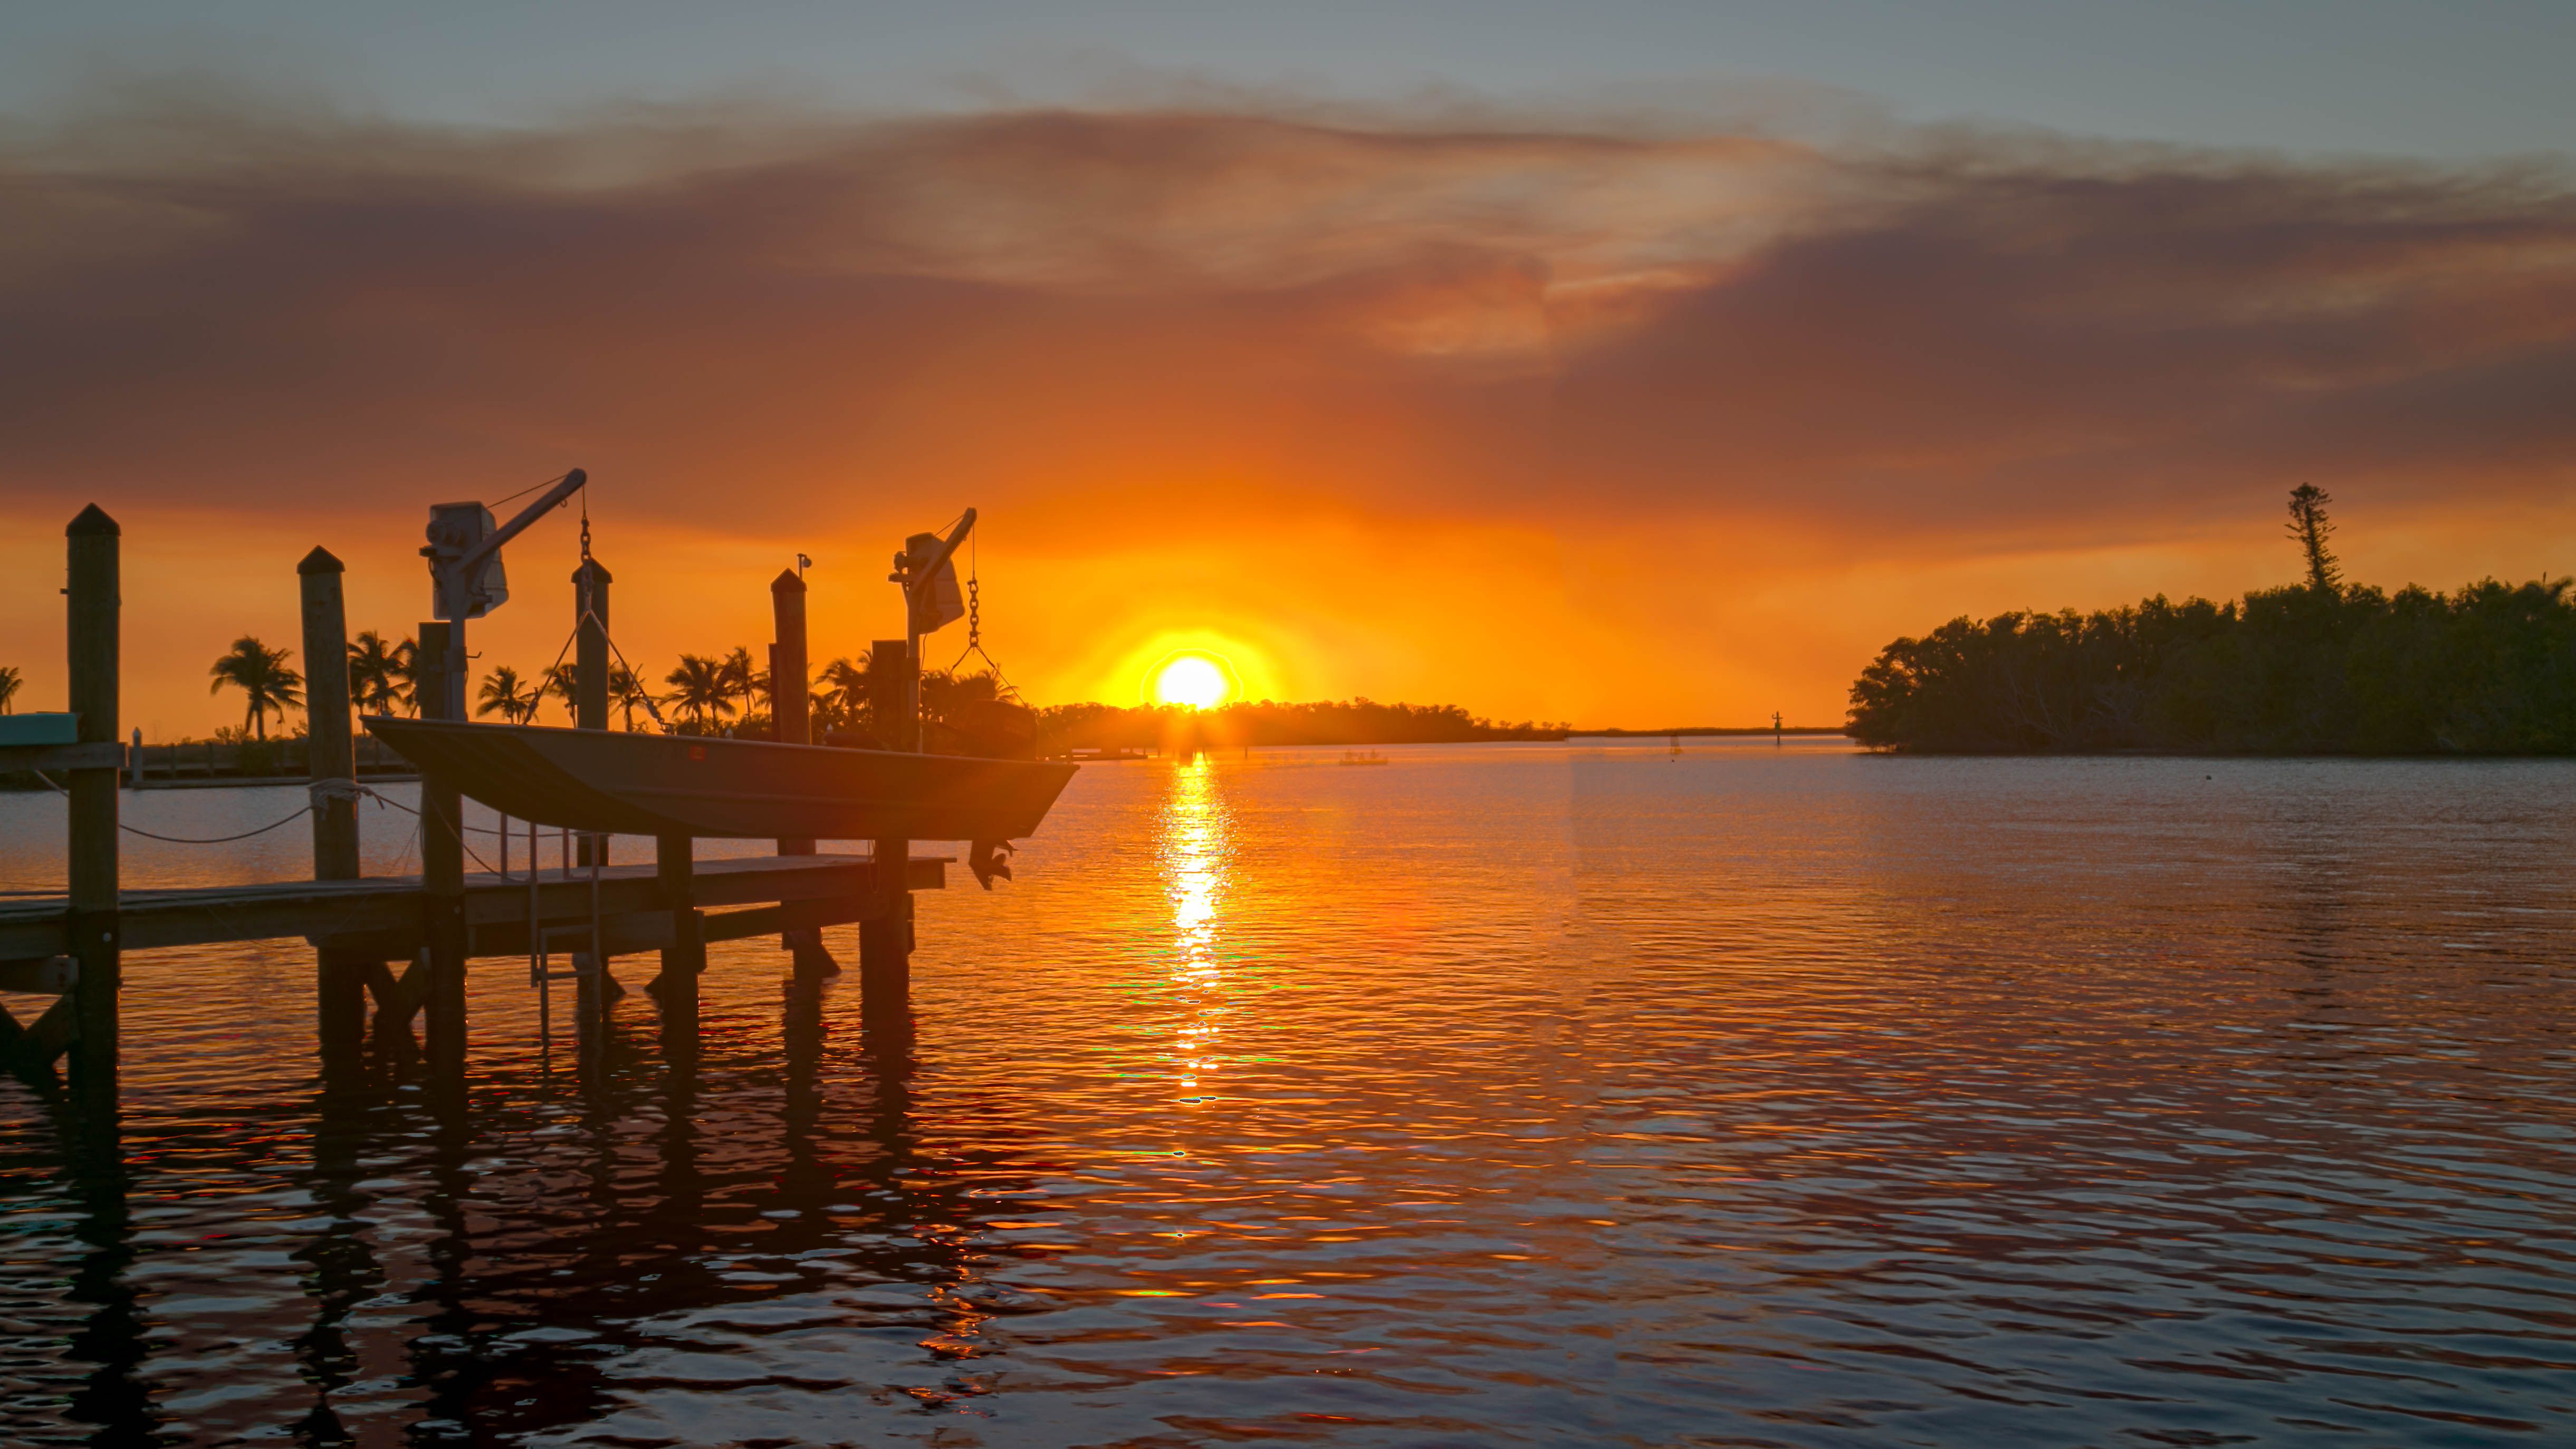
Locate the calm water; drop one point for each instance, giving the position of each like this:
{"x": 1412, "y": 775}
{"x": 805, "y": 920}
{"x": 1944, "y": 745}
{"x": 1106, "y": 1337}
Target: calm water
{"x": 1498, "y": 1096}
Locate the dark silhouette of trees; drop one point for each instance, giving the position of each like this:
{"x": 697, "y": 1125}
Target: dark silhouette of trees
{"x": 742, "y": 677}
{"x": 504, "y": 694}
{"x": 380, "y": 674}
{"x": 626, "y": 692}
{"x": 260, "y": 673}
{"x": 703, "y": 689}
{"x": 562, "y": 681}
{"x": 841, "y": 697}
{"x": 2317, "y": 668}
{"x": 1331, "y": 722}
{"x": 982, "y": 714}
{"x": 10, "y": 681}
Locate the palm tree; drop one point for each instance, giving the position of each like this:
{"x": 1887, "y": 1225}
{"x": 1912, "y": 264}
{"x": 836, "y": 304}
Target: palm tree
{"x": 563, "y": 681}
{"x": 9, "y": 682}
{"x": 405, "y": 674}
{"x": 260, "y": 673}
{"x": 376, "y": 671}
{"x": 841, "y": 691}
{"x": 743, "y": 677}
{"x": 702, "y": 688}
{"x": 626, "y": 692}
{"x": 503, "y": 694}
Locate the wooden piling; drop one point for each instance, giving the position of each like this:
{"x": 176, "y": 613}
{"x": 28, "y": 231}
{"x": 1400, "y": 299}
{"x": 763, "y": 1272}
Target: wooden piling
{"x": 590, "y": 667}
{"x": 442, "y": 873}
{"x": 789, "y": 709}
{"x": 331, "y": 755}
{"x": 885, "y": 938}
{"x": 686, "y": 957}
{"x": 791, "y": 716}
{"x": 331, "y": 765}
{"x": 93, "y": 598}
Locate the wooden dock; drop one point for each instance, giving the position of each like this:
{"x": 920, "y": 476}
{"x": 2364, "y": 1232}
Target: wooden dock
{"x": 405, "y": 941}
{"x": 370, "y": 922}
{"x": 382, "y": 915}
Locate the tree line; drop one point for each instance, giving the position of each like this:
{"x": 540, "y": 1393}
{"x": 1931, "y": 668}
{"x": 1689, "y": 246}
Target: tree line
{"x": 707, "y": 694}
{"x": 1333, "y": 722}
{"x": 2319, "y": 667}
{"x": 730, "y": 694}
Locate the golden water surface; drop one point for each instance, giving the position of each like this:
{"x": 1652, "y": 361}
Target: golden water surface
{"x": 1499, "y": 1095}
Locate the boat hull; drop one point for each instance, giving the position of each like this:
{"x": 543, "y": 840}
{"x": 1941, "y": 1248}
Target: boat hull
{"x": 646, "y": 784}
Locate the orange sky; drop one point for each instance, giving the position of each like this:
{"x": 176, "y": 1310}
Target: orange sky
{"x": 1632, "y": 426}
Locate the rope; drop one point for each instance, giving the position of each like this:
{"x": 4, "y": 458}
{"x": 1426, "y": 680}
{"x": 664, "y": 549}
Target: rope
{"x": 181, "y": 839}
{"x": 458, "y": 826}
{"x": 216, "y": 839}
{"x": 533, "y": 487}
{"x": 319, "y": 791}
{"x": 644, "y": 696}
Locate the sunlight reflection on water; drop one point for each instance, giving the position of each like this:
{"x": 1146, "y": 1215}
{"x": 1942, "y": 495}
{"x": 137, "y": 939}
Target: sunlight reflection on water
{"x": 1509, "y": 1095}
{"x": 1195, "y": 858}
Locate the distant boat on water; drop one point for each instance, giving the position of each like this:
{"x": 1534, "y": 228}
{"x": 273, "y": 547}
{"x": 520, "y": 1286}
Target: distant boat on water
{"x": 1087, "y": 754}
{"x": 1354, "y": 757}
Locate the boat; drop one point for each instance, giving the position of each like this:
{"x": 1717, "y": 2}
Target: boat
{"x": 694, "y": 785}
{"x": 1354, "y": 757}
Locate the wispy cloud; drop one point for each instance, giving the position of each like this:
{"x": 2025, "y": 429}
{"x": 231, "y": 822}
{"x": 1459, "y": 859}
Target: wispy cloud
{"x": 1915, "y": 341}
{"x": 1942, "y": 326}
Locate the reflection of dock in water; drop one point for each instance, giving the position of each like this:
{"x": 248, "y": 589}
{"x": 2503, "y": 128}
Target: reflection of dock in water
{"x": 643, "y": 1201}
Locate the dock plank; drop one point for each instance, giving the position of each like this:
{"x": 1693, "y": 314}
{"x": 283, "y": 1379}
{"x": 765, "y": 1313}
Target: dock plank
{"x": 385, "y": 911}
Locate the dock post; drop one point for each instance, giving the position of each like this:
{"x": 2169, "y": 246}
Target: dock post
{"x": 791, "y": 723}
{"x": 92, "y": 593}
{"x": 885, "y": 937}
{"x": 590, "y": 665}
{"x": 686, "y": 956}
{"x": 331, "y": 764}
{"x": 442, "y": 876}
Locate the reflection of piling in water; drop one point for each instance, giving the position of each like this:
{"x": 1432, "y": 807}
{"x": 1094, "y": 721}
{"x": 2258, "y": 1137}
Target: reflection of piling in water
{"x": 111, "y": 1337}
{"x": 650, "y": 1242}
{"x": 342, "y": 1271}
{"x": 685, "y": 958}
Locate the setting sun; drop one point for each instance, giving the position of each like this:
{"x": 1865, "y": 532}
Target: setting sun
{"x": 1194, "y": 680}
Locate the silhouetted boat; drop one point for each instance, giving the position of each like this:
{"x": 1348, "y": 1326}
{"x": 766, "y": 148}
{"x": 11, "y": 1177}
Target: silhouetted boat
{"x": 646, "y": 784}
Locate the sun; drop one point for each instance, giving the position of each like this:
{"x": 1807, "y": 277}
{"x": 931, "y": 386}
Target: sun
{"x": 1194, "y": 680}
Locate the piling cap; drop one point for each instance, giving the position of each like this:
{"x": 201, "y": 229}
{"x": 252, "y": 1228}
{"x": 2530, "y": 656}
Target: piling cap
{"x": 320, "y": 561}
{"x": 93, "y": 521}
{"x": 787, "y": 583}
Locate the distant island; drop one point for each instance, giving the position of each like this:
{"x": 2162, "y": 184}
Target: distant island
{"x": 1066, "y": 727}
{"x": 2322, "y": 667}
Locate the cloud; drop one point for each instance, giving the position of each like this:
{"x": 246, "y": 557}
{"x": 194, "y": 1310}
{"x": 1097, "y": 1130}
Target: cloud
{"x": 1217, "y": 323}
